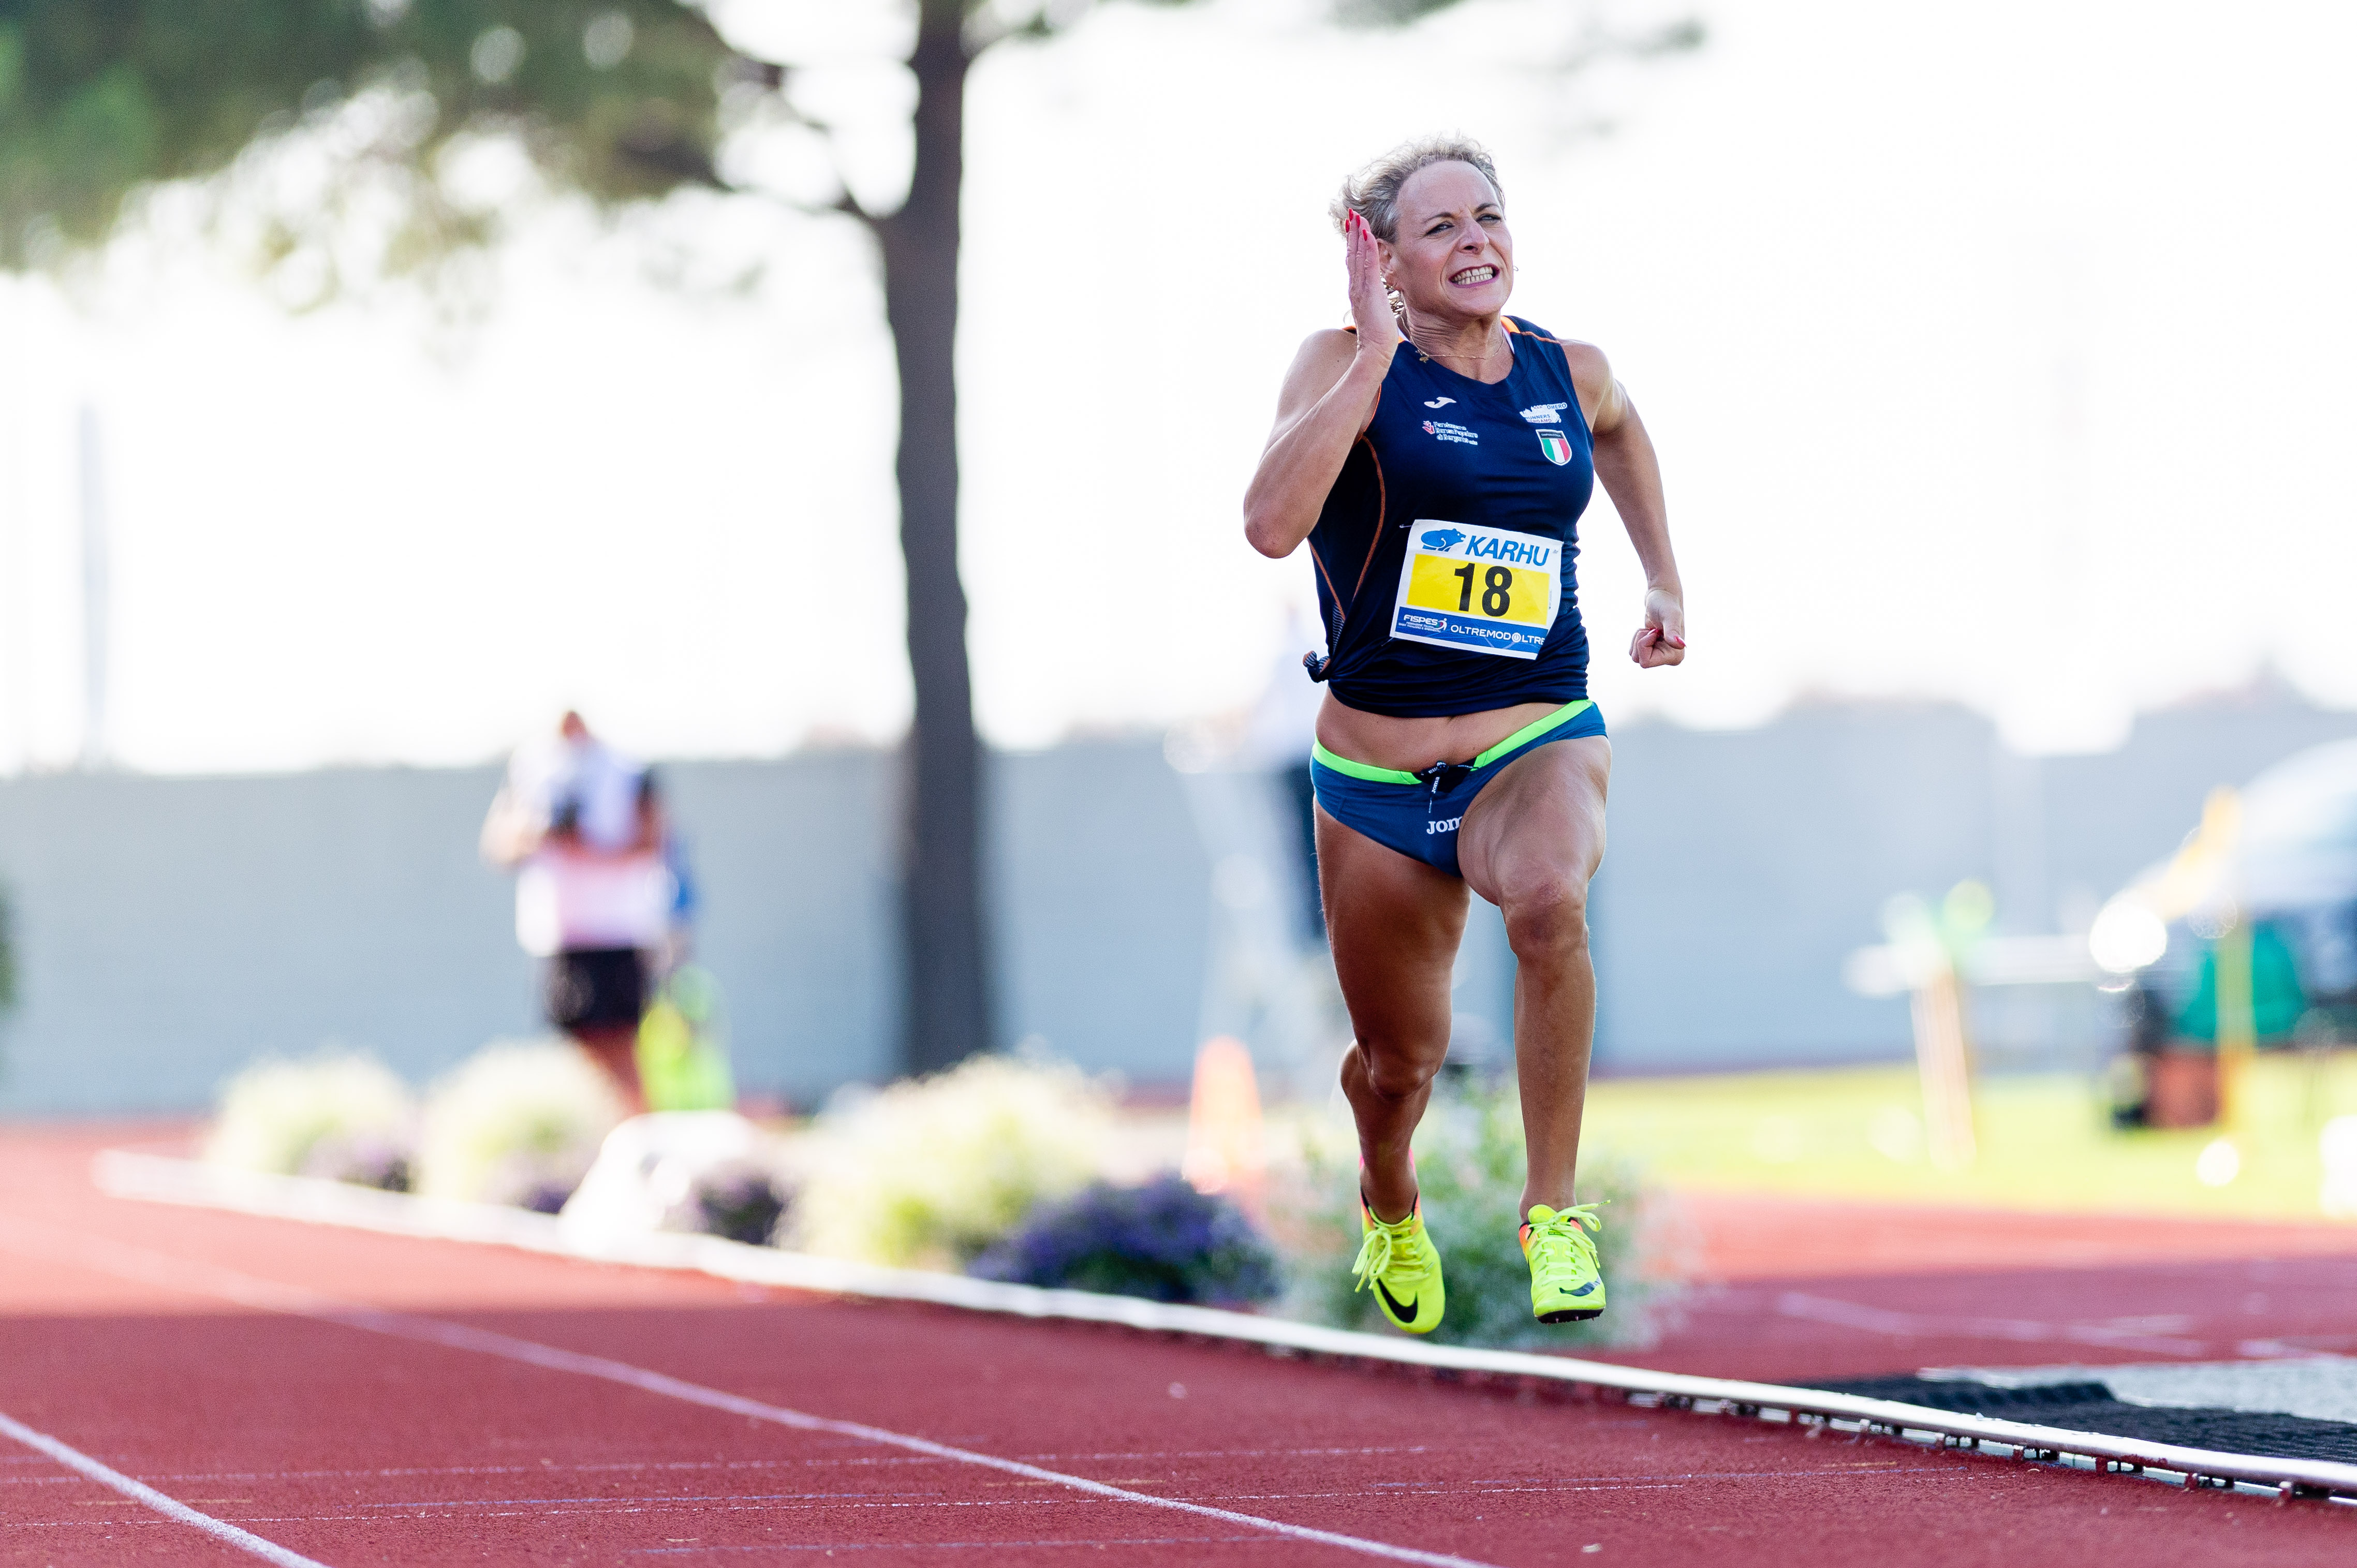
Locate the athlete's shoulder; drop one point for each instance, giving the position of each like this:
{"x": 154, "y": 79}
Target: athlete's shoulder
{"x": 1321, "y": 360}
{"x": 1590, "y": 371}
{"x": 1584, "y": 358}
{"x": 1327, "y": 352}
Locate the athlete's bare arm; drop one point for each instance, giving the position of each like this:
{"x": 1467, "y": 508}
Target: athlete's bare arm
{"x": 511, "y": 833}
{"x": 1633, "y": 478}
{"x": 1327, "y": 403}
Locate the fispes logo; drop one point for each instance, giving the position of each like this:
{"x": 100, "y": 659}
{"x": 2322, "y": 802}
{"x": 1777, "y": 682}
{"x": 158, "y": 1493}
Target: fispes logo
{"x": 1556, "y": 445}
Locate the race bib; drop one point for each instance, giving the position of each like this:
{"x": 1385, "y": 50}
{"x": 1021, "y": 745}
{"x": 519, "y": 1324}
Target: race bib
{"x": 1478, "y": 590}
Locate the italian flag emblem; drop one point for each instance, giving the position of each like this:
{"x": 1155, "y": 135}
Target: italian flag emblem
{"x": 1556, "y": 445}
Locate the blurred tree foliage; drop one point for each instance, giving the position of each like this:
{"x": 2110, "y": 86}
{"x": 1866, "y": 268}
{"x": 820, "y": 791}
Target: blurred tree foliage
{"x": 620, "y": 101}
{"x": 101, "y": 99}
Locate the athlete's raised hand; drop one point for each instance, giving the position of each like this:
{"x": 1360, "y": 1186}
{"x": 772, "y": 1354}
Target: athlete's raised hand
{"x": 1663, "y": 638}
{"x": 1371, "y": 304}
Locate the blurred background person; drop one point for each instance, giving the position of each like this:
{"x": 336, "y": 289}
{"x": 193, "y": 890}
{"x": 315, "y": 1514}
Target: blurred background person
{"x": 582, "y": 826}
{"x": 1277, "y": 735}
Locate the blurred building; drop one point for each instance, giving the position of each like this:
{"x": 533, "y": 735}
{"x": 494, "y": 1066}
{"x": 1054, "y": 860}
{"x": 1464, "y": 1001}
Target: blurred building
{"x": 170, "y": 930}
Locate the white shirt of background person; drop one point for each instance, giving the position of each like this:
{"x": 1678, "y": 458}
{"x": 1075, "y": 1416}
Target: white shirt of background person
{"x": 596, "y": 878}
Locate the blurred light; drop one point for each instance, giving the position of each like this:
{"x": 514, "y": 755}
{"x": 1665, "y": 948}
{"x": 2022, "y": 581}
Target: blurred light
{"x": 2214, "y": 920}
{"x": 1876, "y": 971}
{"x": 1778, "y": 1139}
{"x": 1190, "y": 748}
{"x": 2338, "y": 1146}
{"x": 606, "y": 41}
{"x": 2127, "y": 936}
{"x": 496, "y": 54}
{"x": 2218, "y": 1164}
{"x": 1969, "y": 906}
{"x": 1896, "y": 1133}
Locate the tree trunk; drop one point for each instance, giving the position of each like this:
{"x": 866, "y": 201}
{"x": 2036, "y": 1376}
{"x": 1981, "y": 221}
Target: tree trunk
{"x": 945, "y": 969}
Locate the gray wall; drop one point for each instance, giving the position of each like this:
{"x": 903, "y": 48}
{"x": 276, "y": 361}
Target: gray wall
{"x": 168, "y": 928}
{"x": 172, "y": 929}
{"x": 1104, "y": 912}
{"x": 1743, "y": 866}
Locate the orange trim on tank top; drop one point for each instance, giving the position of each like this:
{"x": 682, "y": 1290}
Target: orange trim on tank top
{"x": 1382, "y": 514}
{"x": 1320, "y": 562}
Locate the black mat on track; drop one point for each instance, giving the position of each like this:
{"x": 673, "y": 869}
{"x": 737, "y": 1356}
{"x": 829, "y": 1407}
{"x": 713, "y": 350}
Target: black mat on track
{"x": 2090, "y": 1407}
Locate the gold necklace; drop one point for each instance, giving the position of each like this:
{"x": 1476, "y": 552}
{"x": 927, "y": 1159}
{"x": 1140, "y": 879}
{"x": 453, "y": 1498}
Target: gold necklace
{"x": 1426, "y": 355}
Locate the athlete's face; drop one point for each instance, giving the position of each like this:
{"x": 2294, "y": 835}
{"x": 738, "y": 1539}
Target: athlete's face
{"x": 1451, "y": 254}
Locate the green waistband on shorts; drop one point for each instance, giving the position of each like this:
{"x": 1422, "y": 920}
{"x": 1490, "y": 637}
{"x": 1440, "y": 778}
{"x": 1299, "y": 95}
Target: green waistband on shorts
{"x": 1522, "y": 736}
{"x": 1533, "y": 730}
{"x": 1361, "y": 769}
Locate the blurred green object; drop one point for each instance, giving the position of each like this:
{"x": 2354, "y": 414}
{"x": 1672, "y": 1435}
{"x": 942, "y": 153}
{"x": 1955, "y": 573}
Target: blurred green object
{"x": 2276, "y": 999}
{"x": 1470, "y": 1168}
{"x": 7, "y": 953}
{"x": 682, "y": 1046}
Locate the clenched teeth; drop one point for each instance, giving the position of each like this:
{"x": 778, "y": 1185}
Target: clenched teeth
{"x": 1475, "y": 274}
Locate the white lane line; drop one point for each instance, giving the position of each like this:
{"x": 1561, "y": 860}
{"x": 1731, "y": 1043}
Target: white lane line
{"x": 170, "y": 1507}
{"x": 831, "y": 1547}
{"x": 160, "y": 1269}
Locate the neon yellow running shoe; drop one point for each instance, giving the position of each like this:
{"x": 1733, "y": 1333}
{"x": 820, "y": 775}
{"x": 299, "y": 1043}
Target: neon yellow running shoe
{"x": 1564, "y": 1284}
{"x": 1399, "y": 1262}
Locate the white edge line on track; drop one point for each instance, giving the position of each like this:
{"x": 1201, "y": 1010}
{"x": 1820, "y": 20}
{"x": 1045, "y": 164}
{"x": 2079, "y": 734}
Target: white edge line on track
{"x": 149, "y": 1267}
{"x": 139, "y": 1492}
{"x": 164, "y": 1179}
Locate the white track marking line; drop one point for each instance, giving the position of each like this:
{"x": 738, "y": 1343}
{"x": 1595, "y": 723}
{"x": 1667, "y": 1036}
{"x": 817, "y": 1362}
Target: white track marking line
{"x": 146, "y": 1267}
{"x": 170, "y": 1507}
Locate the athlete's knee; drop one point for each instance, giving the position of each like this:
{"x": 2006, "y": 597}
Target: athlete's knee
{"x": 1548, "y": 919}
{"x": 1397, "y": 1072}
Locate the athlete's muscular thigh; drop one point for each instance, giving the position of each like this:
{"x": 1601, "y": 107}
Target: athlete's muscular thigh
{"x": 1393, "y": 924}
{"x": 1540, "y": 821}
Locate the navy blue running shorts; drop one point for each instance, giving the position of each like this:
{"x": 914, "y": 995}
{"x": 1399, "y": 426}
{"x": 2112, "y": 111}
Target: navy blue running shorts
{"x": 1418, "y": 816}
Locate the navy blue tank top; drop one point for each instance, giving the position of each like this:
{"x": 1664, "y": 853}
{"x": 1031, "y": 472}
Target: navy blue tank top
{"x": 1454, "y": 516}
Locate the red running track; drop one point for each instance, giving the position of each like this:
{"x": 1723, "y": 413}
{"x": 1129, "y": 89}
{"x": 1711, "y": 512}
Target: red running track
{"x": 352, "y": 1445}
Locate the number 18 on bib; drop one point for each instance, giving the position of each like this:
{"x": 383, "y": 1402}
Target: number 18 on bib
{"x": 1478, "y": 590}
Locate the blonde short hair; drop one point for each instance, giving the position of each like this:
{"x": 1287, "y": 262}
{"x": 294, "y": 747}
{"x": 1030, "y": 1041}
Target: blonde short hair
{"x": 1373, "y": 192}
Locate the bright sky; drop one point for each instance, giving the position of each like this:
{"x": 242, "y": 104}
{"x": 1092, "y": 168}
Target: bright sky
{"x": 1994, "y": 352}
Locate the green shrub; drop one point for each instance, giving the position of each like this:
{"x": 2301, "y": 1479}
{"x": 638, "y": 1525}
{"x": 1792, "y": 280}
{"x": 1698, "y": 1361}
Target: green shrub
{"x": 340, "y": 1114}
{"x": 519, "y": 1121}
{"x": 928, "y": 1173}
{"x": 1469, "y": 1162}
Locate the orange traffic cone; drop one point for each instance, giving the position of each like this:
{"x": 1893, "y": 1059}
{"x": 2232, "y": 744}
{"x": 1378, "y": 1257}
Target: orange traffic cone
{"x": 1224, "y": 1151}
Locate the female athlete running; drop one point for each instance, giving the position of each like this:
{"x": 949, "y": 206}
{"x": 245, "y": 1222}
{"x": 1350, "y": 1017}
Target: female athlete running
{"x": 1439, "y": 481}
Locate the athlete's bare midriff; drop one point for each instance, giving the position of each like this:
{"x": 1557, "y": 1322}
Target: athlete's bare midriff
{"x": 1414, "y": 744}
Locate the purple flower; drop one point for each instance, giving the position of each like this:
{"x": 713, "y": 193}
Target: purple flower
{"x": 1163, "y": 1241}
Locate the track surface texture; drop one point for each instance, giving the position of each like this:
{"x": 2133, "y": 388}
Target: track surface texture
{"x": 367, "y": 1442}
